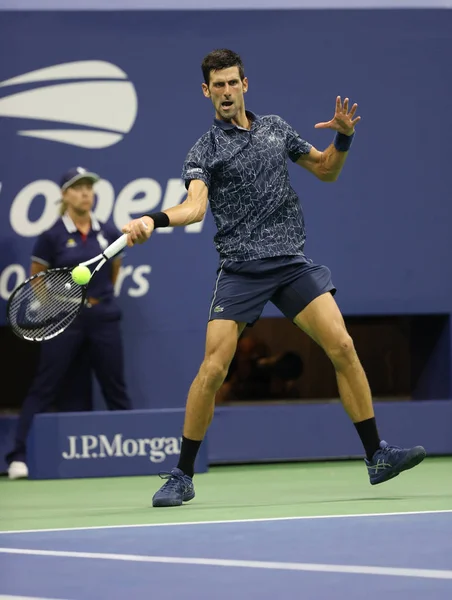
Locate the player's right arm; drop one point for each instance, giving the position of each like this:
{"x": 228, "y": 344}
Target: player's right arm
{"x": 196, "y": 174}
{"x": 191, "y": 210}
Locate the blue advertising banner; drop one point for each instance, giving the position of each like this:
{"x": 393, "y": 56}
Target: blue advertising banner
{"x": 107, "y": 444}
{"x": 322, "y": 431}
{"x": 146, "y": 442}
{"x": 120, "y": 94}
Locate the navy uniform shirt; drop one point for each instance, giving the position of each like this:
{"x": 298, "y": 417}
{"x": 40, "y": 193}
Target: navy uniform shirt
{"x": 256, "y": 211}
{"x": 64, "y": 246}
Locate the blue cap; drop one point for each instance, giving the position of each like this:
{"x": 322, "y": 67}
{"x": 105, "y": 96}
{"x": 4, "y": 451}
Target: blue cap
{"x": 75, "y": 174}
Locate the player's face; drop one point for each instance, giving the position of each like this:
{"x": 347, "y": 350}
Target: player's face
{"x": 80, "y": 196}
{"x": 226, "y": 91}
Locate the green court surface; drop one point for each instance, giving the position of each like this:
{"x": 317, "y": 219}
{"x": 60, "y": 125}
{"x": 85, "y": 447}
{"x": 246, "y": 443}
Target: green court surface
{"x": 226, "y": 493}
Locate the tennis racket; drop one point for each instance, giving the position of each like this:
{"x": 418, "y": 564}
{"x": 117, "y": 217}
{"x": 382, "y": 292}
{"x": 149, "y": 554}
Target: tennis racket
{"x": 44, "y": 305}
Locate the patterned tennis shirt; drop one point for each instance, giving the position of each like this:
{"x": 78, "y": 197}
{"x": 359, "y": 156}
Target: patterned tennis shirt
{"x": 256, "y": 211}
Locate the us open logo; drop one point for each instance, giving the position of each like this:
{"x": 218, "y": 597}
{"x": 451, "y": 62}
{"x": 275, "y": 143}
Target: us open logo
{"x": 92, "y": 101}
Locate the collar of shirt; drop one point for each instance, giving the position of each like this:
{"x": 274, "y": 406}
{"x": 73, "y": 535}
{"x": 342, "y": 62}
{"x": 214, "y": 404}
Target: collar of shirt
{"x": 226, "y": 125}
{"x": 70, "y": 225}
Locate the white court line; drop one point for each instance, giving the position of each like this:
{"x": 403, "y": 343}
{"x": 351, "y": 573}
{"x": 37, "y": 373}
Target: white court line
{"x": 225, "y": 521}
{"x": 248, "y": 564}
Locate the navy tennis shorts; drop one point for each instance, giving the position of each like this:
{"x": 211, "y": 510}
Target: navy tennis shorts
{"x": 242, "y": 289}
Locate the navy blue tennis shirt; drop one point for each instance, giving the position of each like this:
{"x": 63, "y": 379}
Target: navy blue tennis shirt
{"x": 256, "y": 211}
{"x": 64, "y": 246}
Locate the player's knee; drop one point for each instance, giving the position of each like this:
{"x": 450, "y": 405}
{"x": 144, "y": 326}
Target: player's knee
{"x": 341, "y": 351}
{"x": 214, "y": 371}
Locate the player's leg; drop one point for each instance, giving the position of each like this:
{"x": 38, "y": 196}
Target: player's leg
{"x": 323, "y": 322}
{"x": 55, "y": 357}
{"x": 307, "y": 299}
{"x": 221, "y": 342}
{"x": 240, "y": 293}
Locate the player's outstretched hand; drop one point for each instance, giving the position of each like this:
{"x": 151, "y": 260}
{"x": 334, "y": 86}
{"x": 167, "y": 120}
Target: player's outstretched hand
{"x": 343, "y": 120}
{"x": 139, "y": 230}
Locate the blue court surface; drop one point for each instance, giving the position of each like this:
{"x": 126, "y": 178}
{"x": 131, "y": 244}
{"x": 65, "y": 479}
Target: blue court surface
{"x": 357, "y": 557}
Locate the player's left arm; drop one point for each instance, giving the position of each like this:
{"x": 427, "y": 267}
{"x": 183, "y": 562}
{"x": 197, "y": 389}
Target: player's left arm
{"x": 328, "y": 164}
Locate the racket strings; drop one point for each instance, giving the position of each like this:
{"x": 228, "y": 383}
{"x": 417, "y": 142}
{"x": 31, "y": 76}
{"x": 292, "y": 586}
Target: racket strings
{"x": 45, "y": 305}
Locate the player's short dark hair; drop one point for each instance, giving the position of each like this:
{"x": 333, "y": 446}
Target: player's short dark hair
{"x": 221, "y": 59}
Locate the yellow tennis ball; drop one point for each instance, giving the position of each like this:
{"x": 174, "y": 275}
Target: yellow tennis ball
{"x": 81, "y": 275}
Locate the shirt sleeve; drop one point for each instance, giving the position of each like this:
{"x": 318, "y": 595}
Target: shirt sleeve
{"x": 295, "y": 145}
{"x": 44, "y": 250}
{"x": 195, "y": 165}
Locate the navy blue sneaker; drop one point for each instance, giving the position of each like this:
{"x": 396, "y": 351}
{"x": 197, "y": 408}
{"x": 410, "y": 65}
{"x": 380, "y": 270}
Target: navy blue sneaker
{"x": 179, "y": 488}
{"x": 390, "y": 461}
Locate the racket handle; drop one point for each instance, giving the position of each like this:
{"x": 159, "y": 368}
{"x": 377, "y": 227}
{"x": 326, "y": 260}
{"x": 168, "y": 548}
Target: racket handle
{"x": 116, "y": 247}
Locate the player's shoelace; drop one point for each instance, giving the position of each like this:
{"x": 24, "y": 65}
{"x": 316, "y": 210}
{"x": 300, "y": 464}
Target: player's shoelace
{"x": 387, "y": 449}
{"x": 174, "y": 480}
{"x": 386, "y": 453}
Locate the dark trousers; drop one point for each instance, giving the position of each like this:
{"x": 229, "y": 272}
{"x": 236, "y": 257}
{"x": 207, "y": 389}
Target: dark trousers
{"x": 102, "y": 340}
{"x": 76, "y": 390}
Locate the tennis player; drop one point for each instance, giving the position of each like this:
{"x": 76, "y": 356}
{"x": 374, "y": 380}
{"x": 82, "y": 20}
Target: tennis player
{"x": 240, "y": 166}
